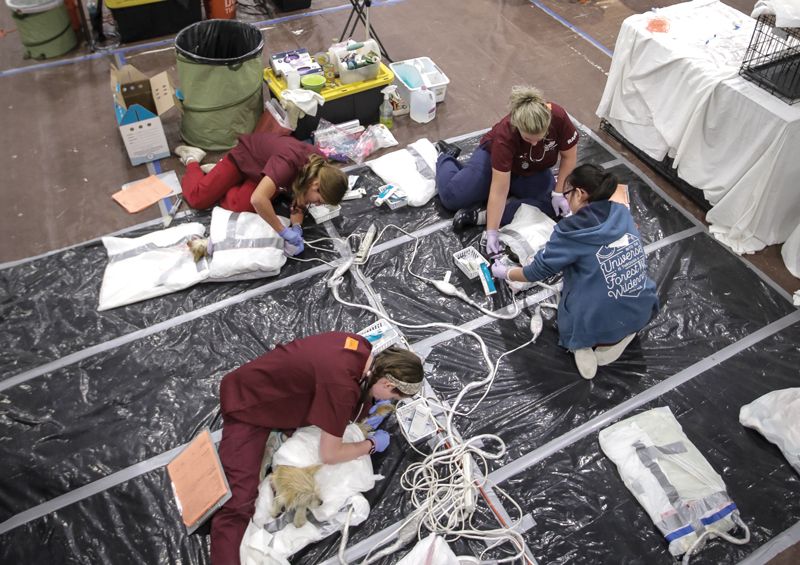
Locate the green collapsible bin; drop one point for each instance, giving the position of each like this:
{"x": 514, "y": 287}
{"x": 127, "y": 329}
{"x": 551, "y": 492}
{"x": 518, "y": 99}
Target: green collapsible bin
{"x": 220, "y": 71}
{"x": 44, "y": 27}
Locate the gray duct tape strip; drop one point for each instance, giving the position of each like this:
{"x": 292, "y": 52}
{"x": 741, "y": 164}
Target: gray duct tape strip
{"x": 438, "y": 226}
{"x": 611, "y": 163}
{"x": 648, "y": 456}
{"x": 355, "y": 551}
{"x": 146, "y": 248}
{"x": 606, "y": 418}
{"x": 199, "y": 313}
{"x": 255, "y": 243}
{"x": 675, "y": 237}
{"x": 422, "y": 165}
{"x": 96, "y": 487}
{"x": 424, "y": 346}
{"x": 230, "y": 228}
{"x": 156, "y": 328}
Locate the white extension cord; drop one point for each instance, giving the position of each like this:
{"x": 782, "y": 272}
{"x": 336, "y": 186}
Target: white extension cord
{"x": 443, "y": 487}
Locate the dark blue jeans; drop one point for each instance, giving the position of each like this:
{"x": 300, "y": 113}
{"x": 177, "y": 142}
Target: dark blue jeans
{"x": 466, "y": 185}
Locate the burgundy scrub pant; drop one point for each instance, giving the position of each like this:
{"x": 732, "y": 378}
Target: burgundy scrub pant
{"x": 241, "y": 451}
{"x": 224, "y": 185}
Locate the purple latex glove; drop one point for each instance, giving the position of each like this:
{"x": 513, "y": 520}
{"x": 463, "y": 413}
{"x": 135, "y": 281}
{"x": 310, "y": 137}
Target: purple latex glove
{"x": 375, "y": 421}
{"x": 293, "y": 236}
{"x": 380, "y": 439}
{"x": 293, "y": 240}
{"x": 500, "y": 271}
{"x": 560, "y": 204}
{"x": 493, "y": 245}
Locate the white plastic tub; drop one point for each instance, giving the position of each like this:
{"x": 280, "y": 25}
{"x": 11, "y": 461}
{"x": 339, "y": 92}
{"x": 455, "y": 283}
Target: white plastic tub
{"x": 413, "y": 74}
{"x": 349, "y": 76}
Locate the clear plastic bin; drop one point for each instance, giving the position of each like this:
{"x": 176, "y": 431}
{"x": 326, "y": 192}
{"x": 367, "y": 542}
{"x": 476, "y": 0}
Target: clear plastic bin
{"x": 413, "y": 74}
{"x": 349, "y": 76}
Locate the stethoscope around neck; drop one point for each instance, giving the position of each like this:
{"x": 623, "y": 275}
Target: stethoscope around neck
{"x": 530, "y": 159}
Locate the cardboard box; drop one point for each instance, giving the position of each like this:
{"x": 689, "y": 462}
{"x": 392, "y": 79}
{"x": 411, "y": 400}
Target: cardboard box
{"x": 139, "y": 103}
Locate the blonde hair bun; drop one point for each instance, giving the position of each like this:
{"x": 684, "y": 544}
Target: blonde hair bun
{"x": 529, "y": 111}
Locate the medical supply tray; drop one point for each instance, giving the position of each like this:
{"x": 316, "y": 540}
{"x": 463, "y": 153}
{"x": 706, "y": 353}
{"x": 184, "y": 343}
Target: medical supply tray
{"x": 358, "y": 100}
{"x": 382, "y": 335}
{"x": 468, "y": 260}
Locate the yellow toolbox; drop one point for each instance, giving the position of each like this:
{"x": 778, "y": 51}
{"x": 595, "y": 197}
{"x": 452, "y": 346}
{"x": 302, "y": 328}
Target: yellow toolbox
{"x": 344, "y": 102}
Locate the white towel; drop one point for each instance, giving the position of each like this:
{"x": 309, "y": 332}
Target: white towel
{"x": 787, "y": 12}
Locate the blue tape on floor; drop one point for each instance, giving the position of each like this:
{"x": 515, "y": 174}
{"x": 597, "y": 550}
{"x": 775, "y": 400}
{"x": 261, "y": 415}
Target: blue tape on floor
{"x": 160, "y": 43}
{"x": 572, "y": 27}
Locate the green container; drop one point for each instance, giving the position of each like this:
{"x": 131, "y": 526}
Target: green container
{"x": 220, "y": 72}
{"x": 44, "y": 27}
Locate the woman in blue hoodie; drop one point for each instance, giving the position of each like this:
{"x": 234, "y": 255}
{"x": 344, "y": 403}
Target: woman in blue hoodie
{"x": 607, "y": 295}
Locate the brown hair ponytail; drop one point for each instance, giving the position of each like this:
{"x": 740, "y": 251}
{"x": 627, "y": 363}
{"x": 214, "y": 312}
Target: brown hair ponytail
{"x": 332, "y": 181}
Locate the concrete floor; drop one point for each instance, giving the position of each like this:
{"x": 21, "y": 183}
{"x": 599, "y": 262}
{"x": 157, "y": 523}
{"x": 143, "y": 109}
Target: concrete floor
{"x": 62, "y": 156}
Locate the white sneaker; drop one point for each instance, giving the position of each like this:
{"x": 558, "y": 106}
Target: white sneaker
{"x": 607, "y": 354}
{"x": 586, "y": 362}
{"x": 188, "y": 154}
{"x": 207, "y": 167}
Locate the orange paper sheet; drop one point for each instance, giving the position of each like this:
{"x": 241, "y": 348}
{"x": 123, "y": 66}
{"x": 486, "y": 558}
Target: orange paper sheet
{"x": 144, "y": 193}
{"x": 198, "y": 478}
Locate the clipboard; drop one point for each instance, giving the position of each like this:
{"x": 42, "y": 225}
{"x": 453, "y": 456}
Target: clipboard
{"x": 198, "y": 481}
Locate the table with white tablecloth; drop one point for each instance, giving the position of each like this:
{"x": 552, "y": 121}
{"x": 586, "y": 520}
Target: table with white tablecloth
{"x": 677, "y": 94}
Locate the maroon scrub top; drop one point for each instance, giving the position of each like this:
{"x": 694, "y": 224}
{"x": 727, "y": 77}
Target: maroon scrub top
{"x": 279, "y": 157}
{"x": 314, "y": 381}
{"x": 512, "y": 153}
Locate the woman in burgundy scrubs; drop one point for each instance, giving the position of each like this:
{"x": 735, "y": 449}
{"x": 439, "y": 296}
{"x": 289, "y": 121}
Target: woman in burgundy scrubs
{"x": 514, "y": 159}
{"x": 262, "y": 167}
{"x": 325, "y": 380}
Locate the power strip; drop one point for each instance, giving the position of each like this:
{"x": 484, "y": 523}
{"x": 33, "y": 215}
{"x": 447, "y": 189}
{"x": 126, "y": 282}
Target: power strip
{"x": 366, "y": 244}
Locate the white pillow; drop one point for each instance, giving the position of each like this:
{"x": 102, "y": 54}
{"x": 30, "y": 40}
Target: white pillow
{"x": 776, "y": 415}
{"x": 151, "y": 265}
{"x": 413, "y": 169}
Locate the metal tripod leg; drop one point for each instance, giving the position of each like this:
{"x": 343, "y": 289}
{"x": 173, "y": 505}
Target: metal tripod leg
{"x": 359, "y": 11}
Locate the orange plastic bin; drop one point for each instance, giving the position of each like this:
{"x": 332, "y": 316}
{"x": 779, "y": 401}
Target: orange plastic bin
{"x": 220, "y": 9}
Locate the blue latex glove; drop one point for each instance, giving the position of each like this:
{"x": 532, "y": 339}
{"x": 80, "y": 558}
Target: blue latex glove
{"x": 493, "y": 246}
{"x": 375, "y": 421}
{"x": 560, "y": 204}
{"x": 380, "y": 440}
{"x": 500, "y": 271}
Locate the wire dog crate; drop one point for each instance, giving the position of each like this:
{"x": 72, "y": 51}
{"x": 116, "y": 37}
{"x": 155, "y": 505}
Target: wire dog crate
{"x": 772, "y": 59}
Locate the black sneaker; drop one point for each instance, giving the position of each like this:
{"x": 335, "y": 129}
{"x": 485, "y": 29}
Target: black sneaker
{"x": 445, "y": 148}
{"x": 465, "y": 218}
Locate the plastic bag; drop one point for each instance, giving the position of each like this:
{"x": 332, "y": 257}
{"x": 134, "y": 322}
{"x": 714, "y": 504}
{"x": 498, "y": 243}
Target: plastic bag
{"x": 413, "y": 169}
{"x": 376, "y": 137}
{"x": 340, "y": 145}
{"x": 335, "y": 143}
{"x": 680, "y": 491}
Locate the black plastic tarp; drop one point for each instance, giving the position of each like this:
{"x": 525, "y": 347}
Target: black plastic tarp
{"x": 79, "y": 423}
